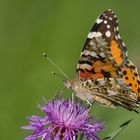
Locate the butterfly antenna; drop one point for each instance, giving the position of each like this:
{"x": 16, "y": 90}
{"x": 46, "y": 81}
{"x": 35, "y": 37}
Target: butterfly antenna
{"x": 61, "y": 76}
{"x": 50, "y": 60}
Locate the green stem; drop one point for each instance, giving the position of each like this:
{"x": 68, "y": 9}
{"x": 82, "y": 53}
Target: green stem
{"x": 118, "y": 131}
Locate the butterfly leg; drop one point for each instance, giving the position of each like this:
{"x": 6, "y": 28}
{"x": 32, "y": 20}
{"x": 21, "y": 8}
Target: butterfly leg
{"x": 88, "y": 102}
{"x": 72, "y": 97}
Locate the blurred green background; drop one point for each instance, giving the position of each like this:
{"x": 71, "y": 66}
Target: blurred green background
{"x": 59, "y": 27}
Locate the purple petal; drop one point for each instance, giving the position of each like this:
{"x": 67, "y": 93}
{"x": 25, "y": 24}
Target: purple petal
{"x": 63, "y": 120}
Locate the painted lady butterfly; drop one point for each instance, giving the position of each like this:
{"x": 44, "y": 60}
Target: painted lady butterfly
{"x": 104, "y": 73}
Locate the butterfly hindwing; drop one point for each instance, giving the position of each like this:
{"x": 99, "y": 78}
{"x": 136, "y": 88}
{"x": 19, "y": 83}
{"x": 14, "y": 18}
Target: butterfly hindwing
{"x": 130, "y": 76}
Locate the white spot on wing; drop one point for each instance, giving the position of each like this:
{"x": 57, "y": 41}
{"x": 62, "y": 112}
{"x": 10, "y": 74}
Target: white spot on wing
{"x": 98, "y": 21}
{"x": 105, "y": 22}
{"x": 92, "y": 43}
{"x": 83, "y": 66}
{"x": 123, "y": 44}
{"x": 115, "y": 16}
{"x": 116, "y": 36}
{"x": 119, "y": 36}
{"x": 102, "y": 54}
{"x": 94, "y": 34}
{"x": 108, "y": 33}
{"x": 126, "y": 53}
{"x": 108, "y": 26}
{"x": 98, "y": 34}
{"x": 78, "y": 66}
{"x": 91, "y": 35}
{"x": 117, "y": 28}
{"x": 93, "y": 54}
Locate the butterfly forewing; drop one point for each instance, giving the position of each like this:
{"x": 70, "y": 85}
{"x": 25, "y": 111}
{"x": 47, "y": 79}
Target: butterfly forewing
{"x": 103, "y": 50}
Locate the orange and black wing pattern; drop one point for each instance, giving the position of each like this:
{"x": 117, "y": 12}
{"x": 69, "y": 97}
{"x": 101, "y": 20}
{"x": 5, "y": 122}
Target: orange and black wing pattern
{"x": 104, "y": 54}
{"x": 103, "y": 50}
{"x": 130, "y": 76}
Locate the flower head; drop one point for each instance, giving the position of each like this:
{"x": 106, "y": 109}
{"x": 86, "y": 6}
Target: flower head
{"x": 64, "y": 120}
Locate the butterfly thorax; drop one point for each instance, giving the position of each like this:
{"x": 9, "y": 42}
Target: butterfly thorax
{"x": 80, "y": 88}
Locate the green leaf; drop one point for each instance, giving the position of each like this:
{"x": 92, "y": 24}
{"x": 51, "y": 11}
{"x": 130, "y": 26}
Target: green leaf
{"x": 113, "y": 135}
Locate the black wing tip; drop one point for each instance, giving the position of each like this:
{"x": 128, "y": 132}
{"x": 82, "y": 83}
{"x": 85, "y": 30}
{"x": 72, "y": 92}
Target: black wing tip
{"x": 109, "y": 10}
{"x": 109, "y": 13}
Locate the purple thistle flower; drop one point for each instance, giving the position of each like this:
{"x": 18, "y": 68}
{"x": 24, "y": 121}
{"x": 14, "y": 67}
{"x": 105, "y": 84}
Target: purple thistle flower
{"x": 64, "y": 120}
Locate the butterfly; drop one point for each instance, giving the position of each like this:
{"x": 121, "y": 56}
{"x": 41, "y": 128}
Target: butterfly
{"x": 104, "y": 73}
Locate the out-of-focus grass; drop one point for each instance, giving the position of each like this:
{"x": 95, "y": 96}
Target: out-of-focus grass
{"x": 30, "y": 27}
